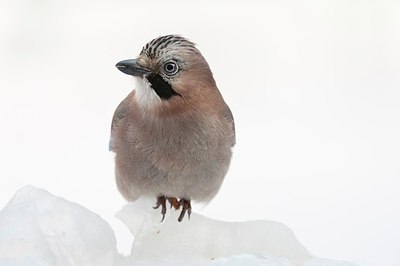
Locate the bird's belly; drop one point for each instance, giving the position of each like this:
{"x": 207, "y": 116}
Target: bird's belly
{"x": 192, "y": 169}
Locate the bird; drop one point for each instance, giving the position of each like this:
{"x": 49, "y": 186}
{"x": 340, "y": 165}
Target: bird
{"x": 173, "y": 135}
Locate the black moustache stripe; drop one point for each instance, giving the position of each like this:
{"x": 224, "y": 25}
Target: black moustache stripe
{"x": 161, "y": 87}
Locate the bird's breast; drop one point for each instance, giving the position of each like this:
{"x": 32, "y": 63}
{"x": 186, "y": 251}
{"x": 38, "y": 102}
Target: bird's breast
{"x": 174, "y": 143}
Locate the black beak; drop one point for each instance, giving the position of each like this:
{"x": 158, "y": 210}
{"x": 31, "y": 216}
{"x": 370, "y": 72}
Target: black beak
{"x": 131, "y": 67}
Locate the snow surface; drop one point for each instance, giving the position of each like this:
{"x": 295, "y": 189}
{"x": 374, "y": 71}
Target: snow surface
{"x": 39, "y": 229}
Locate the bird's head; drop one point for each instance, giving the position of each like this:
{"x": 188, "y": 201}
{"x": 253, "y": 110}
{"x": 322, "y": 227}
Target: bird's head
{"x": 171, "y": 71}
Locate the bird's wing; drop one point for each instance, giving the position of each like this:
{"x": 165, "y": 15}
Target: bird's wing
{"x": 119, "y": 116}
{"x": 228, "y": 115}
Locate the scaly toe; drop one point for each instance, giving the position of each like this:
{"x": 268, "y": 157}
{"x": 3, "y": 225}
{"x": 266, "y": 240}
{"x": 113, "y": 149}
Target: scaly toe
{"x": 186, "y": 207}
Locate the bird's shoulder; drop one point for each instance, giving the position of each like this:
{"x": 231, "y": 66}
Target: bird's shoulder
{"x": 120, "y": 114}
{"x": 122, "y": 109}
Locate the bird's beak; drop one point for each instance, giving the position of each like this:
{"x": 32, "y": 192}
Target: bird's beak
{"x": 131, "y": 67}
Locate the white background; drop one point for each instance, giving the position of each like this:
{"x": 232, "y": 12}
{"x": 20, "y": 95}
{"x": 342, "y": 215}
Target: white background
{"x": 314, "y": 87}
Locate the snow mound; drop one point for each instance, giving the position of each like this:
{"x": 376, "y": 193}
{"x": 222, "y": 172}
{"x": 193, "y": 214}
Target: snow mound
{"x": 202, "y": 238}
{"x": 39, "y": 229}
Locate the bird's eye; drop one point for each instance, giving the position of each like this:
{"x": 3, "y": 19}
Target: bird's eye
{"x": 171, "y": 68}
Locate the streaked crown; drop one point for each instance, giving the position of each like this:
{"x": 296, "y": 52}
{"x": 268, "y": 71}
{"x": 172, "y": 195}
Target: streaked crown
{"x": 169, "y": 43}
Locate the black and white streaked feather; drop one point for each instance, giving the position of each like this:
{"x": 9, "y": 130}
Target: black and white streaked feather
{"x": 157, "y": 46}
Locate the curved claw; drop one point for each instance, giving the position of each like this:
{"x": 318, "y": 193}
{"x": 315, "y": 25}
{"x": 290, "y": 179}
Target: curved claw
{"x": 161, "y": 201}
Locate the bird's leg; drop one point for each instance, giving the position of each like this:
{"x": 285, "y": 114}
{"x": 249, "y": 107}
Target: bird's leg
{"x": 161, "y": 201}
{"x": 185, "y": 207}
{"x": 174, "y": 202}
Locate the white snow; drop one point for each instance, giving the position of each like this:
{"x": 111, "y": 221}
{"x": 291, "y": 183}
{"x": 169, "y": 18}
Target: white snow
{"x": 37, "y": 228}
{"x": 205, "y": 239}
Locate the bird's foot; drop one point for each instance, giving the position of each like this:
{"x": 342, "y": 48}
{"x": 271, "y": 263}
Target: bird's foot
{"x": 161, "y": 201}
{"x": 174, "y": 203}
{"x": 186, "y": 207}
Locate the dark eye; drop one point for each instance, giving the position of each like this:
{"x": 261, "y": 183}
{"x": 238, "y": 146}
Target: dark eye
{"x": 171, "y": 68}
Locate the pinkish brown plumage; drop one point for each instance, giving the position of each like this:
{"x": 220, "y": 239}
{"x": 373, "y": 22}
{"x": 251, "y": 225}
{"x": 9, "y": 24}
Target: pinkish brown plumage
{"x": 173, "y": 135}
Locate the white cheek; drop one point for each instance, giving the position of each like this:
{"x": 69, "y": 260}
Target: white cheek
{"x": 146, "y": 96}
